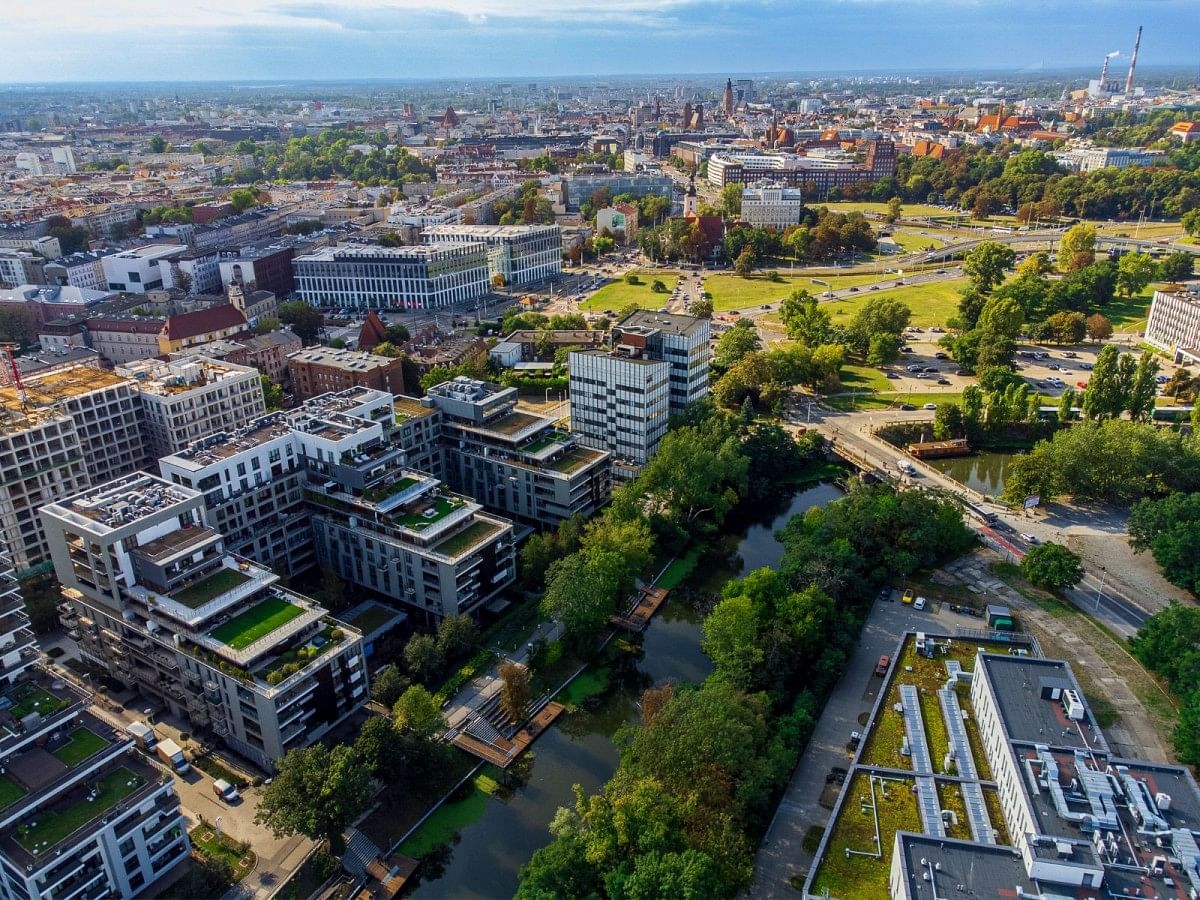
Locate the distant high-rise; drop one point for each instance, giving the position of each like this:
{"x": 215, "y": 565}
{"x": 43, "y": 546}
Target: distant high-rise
{"x": 728, "y": 98}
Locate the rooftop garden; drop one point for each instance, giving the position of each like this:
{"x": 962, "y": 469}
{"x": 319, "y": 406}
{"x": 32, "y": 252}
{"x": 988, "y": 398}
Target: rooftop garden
{"x": 378, "y": 494}
{"x": 553, "y": 437}
{"x": 292, "y": 661}
{"x": 257, "y": 622}
{"x": 31, "y": 698}
{"x": 10, "y": 792}
{"x": 81, "y": 743}
{"x": 437, "y": 509}
{"x": 572, "y": 461}
{"x": 473, "y": 534}
{"x": 950, "y": 797}
{"x": 372, "y": 617}
{"x": 53, "y": 826}
{"x": 991, "y": 800}
{"x": 210, "y": 587}
{"x": 213, "y": 660}
{"x": 856, "y": 877}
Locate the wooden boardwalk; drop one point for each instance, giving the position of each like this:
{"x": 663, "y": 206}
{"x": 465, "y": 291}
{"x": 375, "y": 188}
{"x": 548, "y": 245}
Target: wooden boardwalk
{"x": 636, "y": 620}
{"x": 386, "y": 877}
{"x": 502, "y": 751}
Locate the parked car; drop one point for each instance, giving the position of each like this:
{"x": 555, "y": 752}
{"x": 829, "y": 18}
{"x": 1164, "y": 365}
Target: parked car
{"x": 943, "y": 381}
{"x": 919, "y": 603}
{"x": 963, "y": 372}
{"x": 907, "y": 407}
{"x": 890, "y": 375}
{"x": 931, "y": 368}
{"x": 907, "y": 598}
{"x": 225, "y": 791}
{"x": 941, "y": 356}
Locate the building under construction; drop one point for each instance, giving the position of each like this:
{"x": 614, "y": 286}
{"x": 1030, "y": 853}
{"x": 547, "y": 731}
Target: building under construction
{"x": 59, "y": 433}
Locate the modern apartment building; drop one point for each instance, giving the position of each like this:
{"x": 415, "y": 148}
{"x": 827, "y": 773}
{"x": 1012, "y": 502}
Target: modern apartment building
{"x": 82, "y": 270}
{"x": 84, "y": 815}
{"x": 817, "y": 175}
{"x": 71, "y": 428}
{"x": 772, "y": 205}
{"x": 577, "y": 189}
{"x": 19, "y": 267}
{"x": 154, "y": 597}
{"x": 620, "y": 402}
{"x": 323, "y": 370}
{"x": 430, "y": 276}
{"x": 140, "y": 270}
{"x": 519, "y": 254}
{"x": 191, "y": 397}
{"x": 265, "y": 267}
{"x": 520, "y": 465}
{"x": 201, "y": 268}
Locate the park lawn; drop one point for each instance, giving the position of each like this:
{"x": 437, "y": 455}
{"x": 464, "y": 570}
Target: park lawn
{"x": 863, "y": 378}
{"x": 736, "y": 292}
{"x": 913, "y": 242}
{"x": 1130, "y": 313}
{"x": 906, "y": 209}
{"x": 864, "y": 402}
{"x": 257, "y": 622}
{"x": 1153, "y": 230}
{"x": 617, "y": 294}
{"x": 932, "y": 303}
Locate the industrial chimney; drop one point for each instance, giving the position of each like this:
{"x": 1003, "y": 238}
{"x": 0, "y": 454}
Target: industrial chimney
{"x": 1133, "y": 62}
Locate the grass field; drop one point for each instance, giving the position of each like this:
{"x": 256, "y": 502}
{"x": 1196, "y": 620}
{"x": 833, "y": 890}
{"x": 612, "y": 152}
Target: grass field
{"x": 81, "y": 744}
{"x": 931, "y": 304}
{"x": 864, "y": 378}
{"x": 209, "y": 843}
{"x": 736, "y": 292}
{"x": 907, "y": 209}
{"x": 612, "y": 297}
{"x": 913, "y": 242}
{"x": 243, "y": 630}
{"x": 1150, "y": 230}
{"x": 863, "y": 402}
{"x": 1130, "y": 313}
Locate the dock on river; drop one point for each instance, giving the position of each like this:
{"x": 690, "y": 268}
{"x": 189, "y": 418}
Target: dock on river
{"x": 638, "y": 617}
{"x": 501, "y": 751}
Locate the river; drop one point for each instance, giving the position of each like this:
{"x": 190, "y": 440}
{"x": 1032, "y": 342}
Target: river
{"x": 486, "y": 859}
{"x": 982, "y": 472}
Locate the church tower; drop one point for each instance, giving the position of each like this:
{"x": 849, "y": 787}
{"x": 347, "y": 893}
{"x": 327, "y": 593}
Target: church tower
{"x": 689, "y": 199}
{"x": 728, "y": 98}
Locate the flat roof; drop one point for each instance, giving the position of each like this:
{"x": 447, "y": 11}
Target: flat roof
{"x": 375, "y": 251}
{"x": 43, "y": 392}
{"x": 123, "y": 501}
{"x": 672, "y": 323}
{"x": 960, "y": 868}
{"x": 1018, "y": 683}
{"x": 490, "y": 231}
{"x": 350, "y": 360}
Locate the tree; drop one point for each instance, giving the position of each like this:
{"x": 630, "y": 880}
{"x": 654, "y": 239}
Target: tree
{"x": 582, "y": 592}
{"x": 1187, "y": 730}
{"x": 1176, "y": 266}
{"x": 702, "y": 309}
{"x": 1106, "y": 395}
{"x": 1191, "y": 222}
{"x": 882, "y": 349}
{"x": 457, "y": 636}
{"x": 1052, "y": 566}
{"x": 1001, "y": 317}
{"x": 948, "y": 421}
{"x": 157, "y": 144}
{"x": 658, "y": 287}
{"x": 1066, "y": 327}
{"x": 306, "y": 321}
{"x": 242, "y": 199}
{"x": 1143, "y": 388}
{"x": 1099, "y": 328}
{"x": 1066, "y": 405}
{"x": 423, "y": 657}
{"x": 272, "y": 393}
{"x": 986, "y": 263}
{"x": 745, "y": 262}
{"x": 894, "y": 210}
{"x": 804, "y": 319}
{"x": 378, "y": 747}
{"x": 602, "y": 245}
{"x": 265, "y": 325}
{"x": 698, "y": 470}
{"x": 731, "y": 640}
{"x": 731, "y": 200}
{"x": 1035, "y": 264}
{"x": 316, "y": 792}
{"x": 736, "y": 342}
{"x": 387, "y": 685}
{"x": 1077, "y": 248}
{"x": 516, "y": 691}
{"x": 418, "y": 713}
{"x": 879, "y": 315}
{"x": 1134, "y": 272}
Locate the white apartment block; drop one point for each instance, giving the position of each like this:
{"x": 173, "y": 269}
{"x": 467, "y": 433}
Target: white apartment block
{"x": 1090, "y": 159}
{"x": 191, "y": 397}
{"x": 21, "y": 267}
{"x": 81, "y": 270}
{"x": 1174, "y": 323}
{"x": 201, "y": 266}
{"x": 775, "y": 206}
{"x": 138, "y": 271}
{"x": 154, "y": 597}
{"x": 520, "y": 254}
{"x": 73, "y": 427}
{"x": 423, "y": 215}
{"x": 430, "y": 276}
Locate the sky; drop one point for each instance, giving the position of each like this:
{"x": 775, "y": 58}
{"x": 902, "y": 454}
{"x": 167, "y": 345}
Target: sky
{"x": 202, "y": 40}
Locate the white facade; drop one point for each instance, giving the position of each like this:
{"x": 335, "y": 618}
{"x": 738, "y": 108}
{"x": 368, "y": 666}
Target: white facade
{"x": 520, "y": 254}
{"x": 203, "y": 268}
{"x": 1174, "y": 323}
{"x": 430, "y": 276}
{"x": 192, "y": 397}
{"x": 20, "y": 267}
{"x": 1089, "y": 160}
{"x": 138, "y": 271}
{"x": 619, "y": 403}
{"x": 423, "y": 215}
{"x": 774, "y": 205}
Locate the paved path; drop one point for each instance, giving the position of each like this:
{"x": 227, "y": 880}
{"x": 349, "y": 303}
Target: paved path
{"x": 781, "y": 854}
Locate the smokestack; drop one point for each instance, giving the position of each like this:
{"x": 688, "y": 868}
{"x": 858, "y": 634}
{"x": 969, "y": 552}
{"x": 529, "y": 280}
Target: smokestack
{"x": 1133, "y": 62}
{"x": 1104, "y": 68}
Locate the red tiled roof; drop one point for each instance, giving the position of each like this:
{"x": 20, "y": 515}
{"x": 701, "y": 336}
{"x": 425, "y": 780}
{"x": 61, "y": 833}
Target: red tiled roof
{"x": 203, "y": 321}
{"x": 1186, "y": 127}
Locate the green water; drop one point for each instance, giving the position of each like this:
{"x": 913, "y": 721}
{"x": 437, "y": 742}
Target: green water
{"x": 982, "y": 472}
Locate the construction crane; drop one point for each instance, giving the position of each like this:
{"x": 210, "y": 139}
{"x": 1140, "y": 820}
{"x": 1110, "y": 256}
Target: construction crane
{"x": 10, "y": 372}
{"x": 1137, "y": 42}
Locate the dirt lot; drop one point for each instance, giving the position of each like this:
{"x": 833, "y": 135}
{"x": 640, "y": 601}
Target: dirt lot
{"x": 1134, "y": 574}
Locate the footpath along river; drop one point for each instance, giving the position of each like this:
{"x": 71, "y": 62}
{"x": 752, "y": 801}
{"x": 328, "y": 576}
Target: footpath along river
{"x": 485, "y": 860}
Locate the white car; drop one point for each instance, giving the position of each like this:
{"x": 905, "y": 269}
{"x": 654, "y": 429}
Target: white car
{"x": 920, "y": 603}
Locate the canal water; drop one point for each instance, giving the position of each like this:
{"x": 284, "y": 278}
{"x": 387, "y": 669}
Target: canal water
{"x": 485, "y": 860}
{"x": 982, "y": 472}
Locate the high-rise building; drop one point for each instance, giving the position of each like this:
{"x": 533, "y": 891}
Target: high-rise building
{"x": 520, "y": 465}
{"x": 153, "y": 596}
{"x": 684, "y": 342}
{"x": 84, "y": 814}
{"x": 66, "y": 430}
{"x": 191, "y": 397}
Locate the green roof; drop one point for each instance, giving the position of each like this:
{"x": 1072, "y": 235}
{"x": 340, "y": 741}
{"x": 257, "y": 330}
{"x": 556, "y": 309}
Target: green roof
{"x": 53, "y": 826}
{"x": 468, "y": 537}
{"x": 81, "y": 743}
{"x": 200, "y": 592}
{"x": 441, "y": 506}
{"x": 31, "y": 699}
{"x": 257, "y": 622}
{"x": 10, "y": 792}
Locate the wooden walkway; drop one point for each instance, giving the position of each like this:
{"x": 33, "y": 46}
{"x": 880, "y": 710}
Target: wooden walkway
{"x": 636, "y": 620}
{"x": 387, "y": 877}
{"x": 502, "y": 751}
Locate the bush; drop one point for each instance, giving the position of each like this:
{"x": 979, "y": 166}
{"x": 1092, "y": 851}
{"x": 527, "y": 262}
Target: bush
{"x": 1052, "y": 566}
{"x": 324, "y": 865}
{"x": 632, "y": 278}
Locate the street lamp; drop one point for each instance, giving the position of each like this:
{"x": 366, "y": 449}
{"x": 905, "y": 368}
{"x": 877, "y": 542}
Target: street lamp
{"x": 1100, "y": 590}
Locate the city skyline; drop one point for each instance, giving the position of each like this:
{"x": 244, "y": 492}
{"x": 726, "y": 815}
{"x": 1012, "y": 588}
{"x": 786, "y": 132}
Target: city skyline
{"x": 357, "y": 39}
